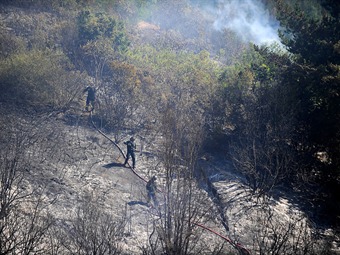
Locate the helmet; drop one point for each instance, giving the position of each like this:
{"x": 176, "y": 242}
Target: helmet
{"x": 132, "y": 139}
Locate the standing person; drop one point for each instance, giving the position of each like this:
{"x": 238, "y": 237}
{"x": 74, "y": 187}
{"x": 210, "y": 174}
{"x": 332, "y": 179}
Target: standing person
{"x": 91, "y": 97}
{"x": 131, "y": 147}
{"x": 151, "y": 189}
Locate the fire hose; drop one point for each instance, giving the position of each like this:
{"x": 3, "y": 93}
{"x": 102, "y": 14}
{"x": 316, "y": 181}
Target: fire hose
{"x": 236, "y": 245}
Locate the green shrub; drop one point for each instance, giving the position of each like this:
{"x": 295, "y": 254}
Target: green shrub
{"x": 38, "y": 78}
{"x": 93, "y": 26}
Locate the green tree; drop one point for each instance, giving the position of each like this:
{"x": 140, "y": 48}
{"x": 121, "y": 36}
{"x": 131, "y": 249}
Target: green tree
{"x": 101, "y": 39}
{"x": 313, "y": 80}
{"x": 93, "y": 26}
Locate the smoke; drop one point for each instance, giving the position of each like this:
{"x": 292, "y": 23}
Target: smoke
{"x": 247, "y": 18}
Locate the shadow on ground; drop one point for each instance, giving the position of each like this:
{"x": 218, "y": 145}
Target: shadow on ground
{"x": 113, "y": 164}
{"x": 137, "y": 203}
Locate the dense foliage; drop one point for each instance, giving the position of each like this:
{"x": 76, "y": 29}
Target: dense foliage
{"x": 313, "y": 79}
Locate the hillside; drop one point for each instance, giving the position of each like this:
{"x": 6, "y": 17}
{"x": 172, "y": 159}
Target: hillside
{"x": 79, "y": 178}
{"x": 214, "y": 117}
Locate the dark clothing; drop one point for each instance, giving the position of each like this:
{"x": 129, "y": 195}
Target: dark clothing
{"x": 151, "y": 185}
{"x": 91, "y": 97}
{"x": 131, "y": 147}
{"x": 151, "y": 188}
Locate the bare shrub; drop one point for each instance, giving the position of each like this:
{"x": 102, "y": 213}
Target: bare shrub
{"x": 24, "y": 220}
{"x": 182, "y": 203}
{"x": 277, "y": 234}
{"x": 93, "y": 231}
{"x": 261, "y": 147}
{"x": 174, "y": 225}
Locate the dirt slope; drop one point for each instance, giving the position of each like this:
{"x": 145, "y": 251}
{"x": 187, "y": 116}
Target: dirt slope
{"x": 70, "y": 160}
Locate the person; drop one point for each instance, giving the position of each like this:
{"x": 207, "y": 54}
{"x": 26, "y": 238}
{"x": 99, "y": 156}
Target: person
{"x": 91, "y": 97}
{"x": 151, "y": 189}
{"x": 131, "y": 147}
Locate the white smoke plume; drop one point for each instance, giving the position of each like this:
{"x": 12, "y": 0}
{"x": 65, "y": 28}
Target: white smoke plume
{"x": 247, "y": 18}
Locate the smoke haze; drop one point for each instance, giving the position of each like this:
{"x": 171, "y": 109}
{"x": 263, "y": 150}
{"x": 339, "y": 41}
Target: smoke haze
{"x": 247, "y": 18}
